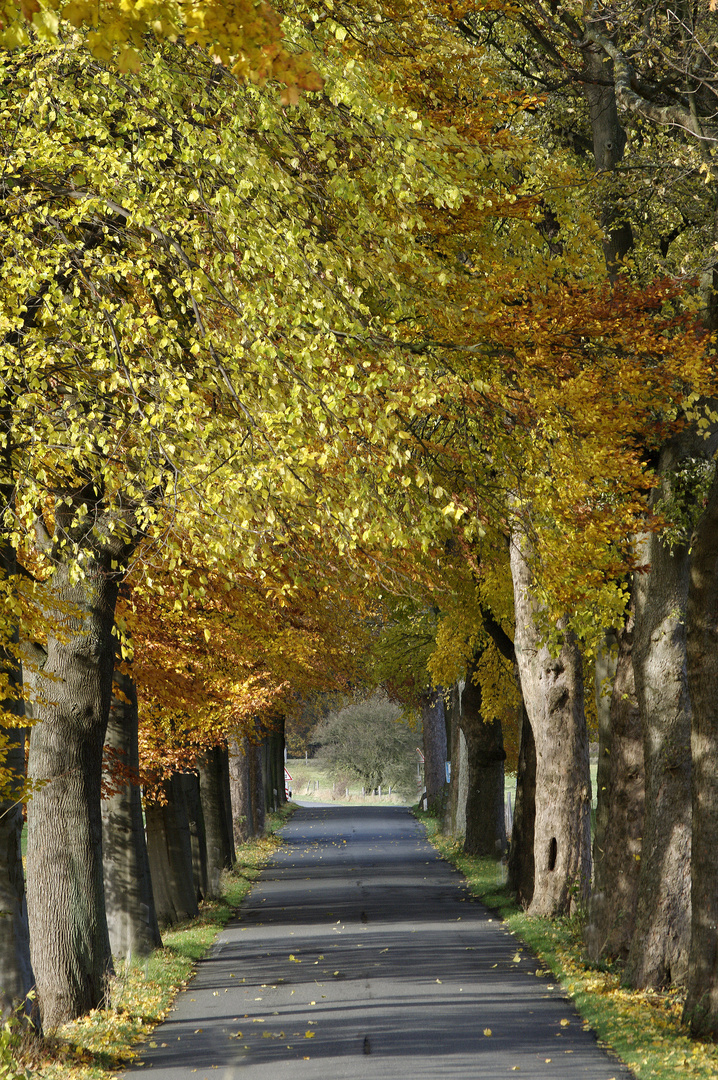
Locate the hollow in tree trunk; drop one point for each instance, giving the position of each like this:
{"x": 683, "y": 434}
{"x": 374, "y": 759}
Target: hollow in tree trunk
{"x": 552, "y": 688}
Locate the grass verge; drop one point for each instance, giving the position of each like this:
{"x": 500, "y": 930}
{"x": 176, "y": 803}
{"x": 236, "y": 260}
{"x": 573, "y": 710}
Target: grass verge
{"x": 100, "y": 1044}
{"x": 642, "y": 1028}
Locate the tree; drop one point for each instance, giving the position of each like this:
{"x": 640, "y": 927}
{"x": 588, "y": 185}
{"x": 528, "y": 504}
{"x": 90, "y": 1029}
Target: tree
{"x": 371, "y": 741}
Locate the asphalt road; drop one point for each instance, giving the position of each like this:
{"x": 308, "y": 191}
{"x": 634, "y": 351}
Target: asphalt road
{"x": 360, "y": 955}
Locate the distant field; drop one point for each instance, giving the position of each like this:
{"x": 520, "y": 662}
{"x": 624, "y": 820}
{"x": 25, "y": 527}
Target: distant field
{"x": 311, "y": 783}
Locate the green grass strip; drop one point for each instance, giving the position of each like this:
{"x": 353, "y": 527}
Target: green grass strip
{"x": 642, "y": 1028}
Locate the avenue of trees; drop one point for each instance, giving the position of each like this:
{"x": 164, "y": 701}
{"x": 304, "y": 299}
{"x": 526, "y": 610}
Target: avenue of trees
{"x": 367, "y": 343}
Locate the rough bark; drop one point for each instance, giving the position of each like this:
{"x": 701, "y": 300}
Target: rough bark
{"x": 552, "y": 688}
{"x": 485, "y": 819}
{"x": 621, "y": 795}
{"x": 659, "y": 952}
{"x": 217, "y": 835}
{"x": 701, "y": 1007}
{"x": 434, "y": 744}
{"x": 129, "y": 900}
{"x": 521, "y": 851}
{"x": 240, "y": 780}
{"x": 70, "y": 945}
{"x": 169, "y": 847}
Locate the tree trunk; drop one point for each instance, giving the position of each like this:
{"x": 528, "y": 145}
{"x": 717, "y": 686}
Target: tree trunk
{"x": 609, "y": 141}
{"x": 485, "y": 819}
{"x": 226, "y": 800}
{"x": 129, "y": 900}
{"x": 701, "y": 1007}
{"x": 169, "y": 847}
{"x": 521, "y": 851}
{"x": 257, "y": 787}
{"x": 70, "y": 944}
{"x": 17, "y": 974}
{"x": 267, "y": 777}
{"x": 659, "y": 952}
{"x": 218, "y": 838}
{"x": 189, "y": 782}
{"x": 552, "y": 689}
{"x": 434, "y": 741}
{"x": 241, "y": 790}
{"x": 606, "y": 662}
{"x": 455, "y": 818}
{"x": 621, "y": 794}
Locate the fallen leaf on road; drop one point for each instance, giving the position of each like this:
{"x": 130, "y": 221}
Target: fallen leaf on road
{"x": 487, "y": 1031}
{"x": 309, "y": 1034}
{"x": 565, "y": 1023}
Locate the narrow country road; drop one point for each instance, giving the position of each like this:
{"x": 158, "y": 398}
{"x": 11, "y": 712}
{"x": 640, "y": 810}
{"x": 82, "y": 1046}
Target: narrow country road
{"x": 360, "y": 954}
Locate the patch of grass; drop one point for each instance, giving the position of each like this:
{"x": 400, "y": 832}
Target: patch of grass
{"x": 643, "y": 1028}
{"x": 141, "y": 994}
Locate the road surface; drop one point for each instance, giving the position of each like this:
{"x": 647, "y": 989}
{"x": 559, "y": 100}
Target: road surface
{"x": 360, "y": 955}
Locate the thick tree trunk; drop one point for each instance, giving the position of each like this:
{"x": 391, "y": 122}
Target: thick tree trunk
{"x": 434, "y": 743}
{"x": 701, "y": 1008}
{"x": 659, "y": 952}
{"x": 240, "y": 780}
{"x": 129, "y": 900}
{"x": 169, "y": 847}
{"x": 521, "y": 851}
{"x": 70, "y": 944}
{"x": 485, "y": 818}
{"x": 617, "y": 848}
{"x": 217, "y": 835}
{"x": 552, "y": 689}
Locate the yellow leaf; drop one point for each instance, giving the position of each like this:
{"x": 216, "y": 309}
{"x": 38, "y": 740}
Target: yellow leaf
{"x": 487, "y": 1032}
